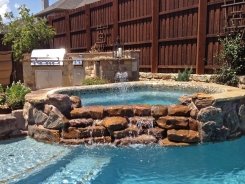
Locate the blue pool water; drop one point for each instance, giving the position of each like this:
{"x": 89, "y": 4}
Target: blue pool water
{"x": 27, "y": 161}
{"x": 125, "y": 95}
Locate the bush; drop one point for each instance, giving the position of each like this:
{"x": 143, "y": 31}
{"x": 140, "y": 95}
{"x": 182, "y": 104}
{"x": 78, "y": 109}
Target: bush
{"x": 94, "y": 81}
{"x": 2, "y": 95}
{"x": 227, "y": 76}
{"x": 15, "y": 95}
{"x": 185, "y": 75}
{"x": 232, "y": 60}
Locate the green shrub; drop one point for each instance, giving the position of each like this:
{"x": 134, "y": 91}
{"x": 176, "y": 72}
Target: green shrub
{"x": 2, "y": 95}
{"x": 1, "y": 89}
{"x": 227, "y": 76}
{"x": 185, "y": 75}
{"x": 94, "y": 81}
{"x": 231, "y": 59}
{"x": 15, "y": 95}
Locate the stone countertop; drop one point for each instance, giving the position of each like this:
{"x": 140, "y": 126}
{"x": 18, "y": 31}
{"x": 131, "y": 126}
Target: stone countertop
{"x": 218, "y": 92}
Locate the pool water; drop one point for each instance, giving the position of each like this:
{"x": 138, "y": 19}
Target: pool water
{"x": 27, "y": 161}
{"x": 125, "y": 95}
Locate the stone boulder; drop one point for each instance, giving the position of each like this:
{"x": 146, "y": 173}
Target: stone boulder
{"x": 81, "y": 123}
{"x": 119, "y": 110}
{"x": 131, "y": 131}
{"x": 93, "y": 131}
{"x": 39, "y": 116}
{"x": 186, "y": 136}
{"x": 194, "y": 124}
{"x": 157, "y": 132}
{"x": 142, "y": 110}
{"x": 142, "y": 139}
{"x": 211, "y": 131}
{"x": 159, "y": 110}
{"x": 75, "y": 102}
{"x": 95, "y": 112}
{"x": 71, "y": 133}
{"x": 20, "y": 121}
{"x": 142, "y": 122}
{"x": 168, "y": 143}
{"x": 42, "y": 134}
{"x": 178, "y": 110}
{"x": 241, "y": 114}
{"x": 202, "y": 100}
{"x": 173, "y": 122}
{"x": 115, "y": 123}
{"x": 56, "y": 120}
{"x": 89, "y": 141}
{"x": 211, "y": 114}
{"x": 185, "y": 100}
{"x": 7, "y": 125}
{"x": 61, "y": 102}
{"x": 28, "y": 113}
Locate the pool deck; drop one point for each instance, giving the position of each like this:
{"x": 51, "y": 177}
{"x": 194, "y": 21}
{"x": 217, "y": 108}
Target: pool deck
{"x": 216, "y": 91}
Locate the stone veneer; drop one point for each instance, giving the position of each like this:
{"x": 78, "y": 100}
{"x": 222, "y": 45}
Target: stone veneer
{"x": 147, "y": 76}
{"x": 219, "y": 116}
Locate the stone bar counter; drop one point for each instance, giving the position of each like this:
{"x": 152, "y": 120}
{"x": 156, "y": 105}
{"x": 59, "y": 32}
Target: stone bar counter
{"x": 71, "y": 73}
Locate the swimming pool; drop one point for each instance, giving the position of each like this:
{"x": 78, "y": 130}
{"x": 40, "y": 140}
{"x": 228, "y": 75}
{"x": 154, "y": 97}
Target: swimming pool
{"x": 28, "y": 161}
{"x": 124, "y": 94}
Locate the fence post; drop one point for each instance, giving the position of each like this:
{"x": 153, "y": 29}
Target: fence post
{"x": 201, "y": 36}
{"x": 68, "y": 32}
{"x": 155, "y": 36}
{"x": 50, "y": 23}
{"x": 115, "y": 19}
{"x": 88, "y": 26}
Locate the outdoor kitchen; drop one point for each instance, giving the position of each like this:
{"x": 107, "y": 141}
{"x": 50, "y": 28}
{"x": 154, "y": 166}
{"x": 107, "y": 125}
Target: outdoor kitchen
{"x": 47, "y": 68}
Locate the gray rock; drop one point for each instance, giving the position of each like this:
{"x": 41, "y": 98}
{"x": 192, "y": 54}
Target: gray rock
{"x": 213, "y": 132}
{"x": 7, "y": 125}
{"x": 211, "y": 114}
{"x": 20, "y": 121}
{"x": 28, "y": 114}
{"x": 39, "y": 117}
{"x": 75, "y": 101}
{"x": 56, "y": 120}
{"x": 61, "y": 102}
{"x": 241, "y": 114}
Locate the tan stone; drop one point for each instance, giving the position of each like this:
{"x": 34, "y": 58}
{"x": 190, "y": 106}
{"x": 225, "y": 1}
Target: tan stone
{"x": 70, "y": 133}
{"x": 94, "y": 140}
{"x": 119, "y": 110}
{"x": 193, "y": 124}
{"x": 187, "y": 136}
{"x": 142, "y": 122}
{"x": 95, "y": 112}
{"x": 166, "y": 142}
{"x": 142, "y": 139}
{"x": 131, "y": 131}
{"x": 159, "y": 110}
{"x": 142, "y": 110}
{"x": 157, "y": 132}
{"x": 173, "y": 122}
{"x": 115, "y": 123}
{"x": 75, "y": 101}
{"x": 81, "y": 122}
{"x": 202, "y": 100}
{"x": 42, "y": 134}
{"x": 185, "y": 100}
{"x": 93, "y": 131}
{"x": 178, "y": 110}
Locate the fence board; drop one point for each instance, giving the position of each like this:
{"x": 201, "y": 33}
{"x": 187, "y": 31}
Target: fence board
{"x": 166, "y": 31}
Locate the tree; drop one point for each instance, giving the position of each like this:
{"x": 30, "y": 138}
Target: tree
{"x": 26, "y": 32}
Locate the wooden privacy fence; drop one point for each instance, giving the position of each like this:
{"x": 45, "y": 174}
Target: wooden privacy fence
{"x": 171, "y": 34}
